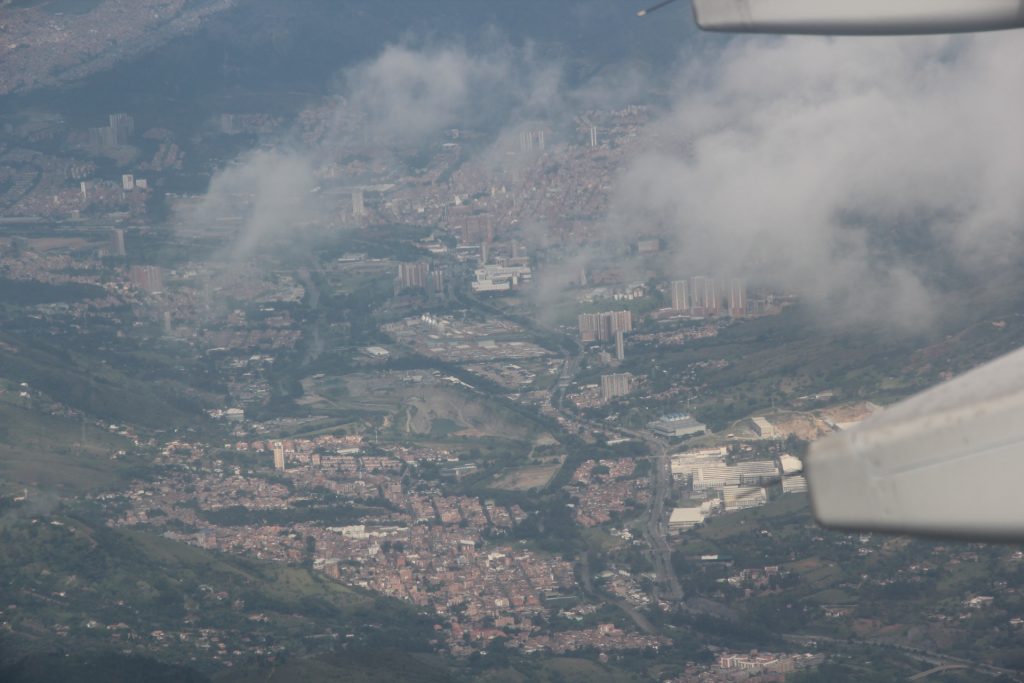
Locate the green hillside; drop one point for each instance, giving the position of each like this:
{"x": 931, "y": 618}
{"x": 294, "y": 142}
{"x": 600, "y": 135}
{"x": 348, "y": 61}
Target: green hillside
{"x": 86, "y": 588}
{"x": 84, "y": 382}
{"x": 40, "y": 451}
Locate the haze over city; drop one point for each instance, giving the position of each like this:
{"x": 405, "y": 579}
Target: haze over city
{"x": 484, "y": 341}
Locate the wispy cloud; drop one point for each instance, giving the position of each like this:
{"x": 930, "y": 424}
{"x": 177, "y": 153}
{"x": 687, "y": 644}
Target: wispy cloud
{"x": 265, "y": 194}
{"x": 859, "y": 173}
{"x": 850, "y": 170}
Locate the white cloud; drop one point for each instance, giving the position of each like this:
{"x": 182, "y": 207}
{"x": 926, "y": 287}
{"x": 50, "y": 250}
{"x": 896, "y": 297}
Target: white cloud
{"x": 268, "y": 192}
{"x": 408, "y": 94}
{"x": 404, "y": 97}
{"x": 805, "y": 161}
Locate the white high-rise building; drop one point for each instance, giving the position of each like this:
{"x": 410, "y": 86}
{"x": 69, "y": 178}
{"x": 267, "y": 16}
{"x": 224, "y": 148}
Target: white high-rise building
{"x": 413, "y": 274}
{"x": 737, "y": 298}
{"x": 704, "y": 295}
{"x": 614, "y": 385}
{"x": 122, "y": 126}
{"x": 680, "y": 290}
{"x": 278, "y": 455}
{"x": 117, "y": 242}
{"x": 604, "y": 326}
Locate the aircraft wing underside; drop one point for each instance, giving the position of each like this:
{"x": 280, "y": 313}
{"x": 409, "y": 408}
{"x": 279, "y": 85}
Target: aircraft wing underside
{"x": 858, "y": 17}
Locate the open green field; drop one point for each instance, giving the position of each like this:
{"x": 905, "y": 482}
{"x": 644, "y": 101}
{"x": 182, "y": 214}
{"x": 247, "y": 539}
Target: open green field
{"x": 526, "y": 478}
{"x": 349, "y": 279}
{"x": 415, "y": 403}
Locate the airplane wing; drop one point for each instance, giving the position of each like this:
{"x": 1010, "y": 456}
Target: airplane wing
{"x": 946, "y": 462}
{"x": 858, "y": 17}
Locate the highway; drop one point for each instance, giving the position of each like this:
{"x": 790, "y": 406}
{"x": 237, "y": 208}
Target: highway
{"x": 655, "y": 530}
{"x": 587, "y": 579}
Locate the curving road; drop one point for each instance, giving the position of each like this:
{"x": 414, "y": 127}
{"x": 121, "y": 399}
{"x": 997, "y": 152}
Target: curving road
{"x": 655, "y": 530}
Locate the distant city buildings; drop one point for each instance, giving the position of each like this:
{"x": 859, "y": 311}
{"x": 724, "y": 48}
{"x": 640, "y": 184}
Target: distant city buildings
{"x": 278, "y": 449}
{"x": 737, "y": 298}
{"x": 358, "y": 207}
{"x": 500, "y": 278}
{"x": 475, "y": 230}
{"x": 530, "y": 140}
{"x": 119, "y": 131}
{"x": 420, "y": 275}
{"x": 615, "y": 385}
{"x": 604, "y": 326}
{"x": 754, "y": 663}
{"x": 122, "y": 127}
{"x": 648, "y": 246}
{"x": 130, "y": 182}
{"x": 680, "y": 292}
{"x": 436, "y": 283}
{"x": 116, "y": 245}
{"x": 413, "y": 274}
{"x": 147, "y": 278}
{"x": 707, "y": 296}
{"x": 101, "y": 137}
{"x": 703, "y": 295}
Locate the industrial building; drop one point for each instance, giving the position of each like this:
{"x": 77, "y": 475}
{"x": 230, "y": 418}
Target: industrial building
{"x": 676, "y": 425}
{"x": 743, "y": 497}
{"x": 794, "y": 484}
{"x": 790, "y": 464}
{"x": 500, "y": 278}
{"x": 764, "y": 429}
{"x": 682, "y": 519}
